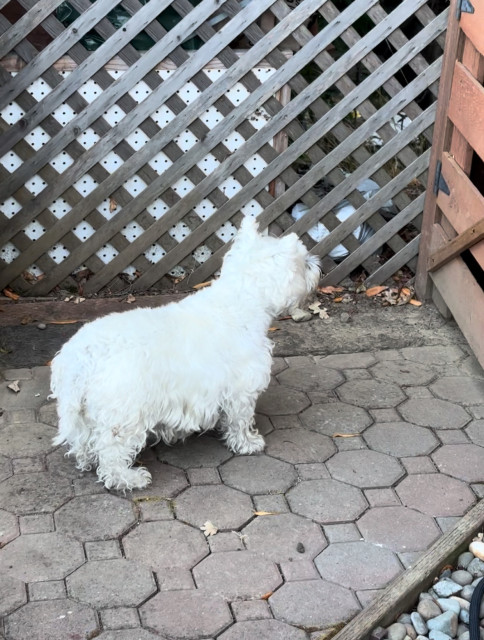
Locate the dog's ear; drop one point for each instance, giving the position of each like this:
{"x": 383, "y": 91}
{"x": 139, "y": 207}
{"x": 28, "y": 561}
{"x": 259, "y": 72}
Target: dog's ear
{"x": 249, "y": 226}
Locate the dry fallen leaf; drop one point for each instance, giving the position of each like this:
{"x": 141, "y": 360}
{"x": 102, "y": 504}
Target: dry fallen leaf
{"x": 273, "y": 328}
{"x": 374, "y": 291}
{"x": 201, "y": 285}
{"x": 68, "y": 299}
{"x": 78, "y": 300}
{"x": 26, "y": 320}
{"x": 209, "y": 529}
{"x": 345, "y": 435}
{"x": 316, "y": 308}
{"x": 416, "y": 303}
{"x": 113, "y": 205}
{"x": 10, "y": 294}
{"x": 330, "y": 289}
{"x": 48, "y": 363}
{"x": 266, "y": 513}
{"x": 337, "y": 299}
{"x": 14, "y": 386}
{"x": 62, "y": 321}
{"x": 267, "y": 595}
{"x": 130, "y": 299}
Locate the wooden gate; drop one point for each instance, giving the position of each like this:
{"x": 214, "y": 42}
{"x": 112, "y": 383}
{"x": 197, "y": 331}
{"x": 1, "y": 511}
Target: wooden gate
{"x": 452, "y": 252}
{"x": 133, "y": 165}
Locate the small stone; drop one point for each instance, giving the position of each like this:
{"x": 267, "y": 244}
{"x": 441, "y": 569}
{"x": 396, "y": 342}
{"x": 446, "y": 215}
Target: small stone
{"x": 467, "y": 592}
{"x": 428, "y": 609}
{"x": 464, "y": 616}
{"x": 405, "y": 618}
{"x": 462, "y": 577}
{"x": 422, "y": 638}
{"x": 461, "y": 628}
{"x": 345, "y": 317}
{"x": 426, "y": 596}
{"x": 476, "y": 568}
{"x": 396, "y": 631}
{"x": 411, "y": 633}
{"x": 447, "y": 587}
{"x": 477, "y": 548}
{"x": 419, "y": 623}
{"x": 465, "y": 636}
{"x": 446, "y": 623}
{"x": 446, "y": 573}
{"x": 448, "y": 604}
{"x": 41, "y": 325}
{"x": 300, "y": 548}
{"x": 464, "y": 559}
{"x": 476, "y": 582}
{"x": 438, "y": 635}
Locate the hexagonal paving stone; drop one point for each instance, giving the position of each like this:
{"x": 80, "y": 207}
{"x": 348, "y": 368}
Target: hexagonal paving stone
{"x": 26, "y": 439}
{"x": 403, "y": 372}
{"x": 400, "y": 439}
{"x": 34, "y": 493}
{"x": 237, "y": 574}
{"x": 225, "y": 507}
{"x": 258, "y": 474}
{"x": 300, "y": 603}
{"x": 430, "y": 412}
{"x": 336, "y": 417}
{"x": 186, "y": 614}
{"x": 475, "y": 431}
{"x": 326, "y": 501}
{"x": 463, "y": 461}
{"x": 61, "y": 464}
{"x": 284, "y": 537}
{"x": 33, "y": 394}
{"x": 280, "y": 401}
{"x": 111, "y": 583}
{"x": 197, "y": 451}
{"x": 298, "y": 446}
{"x": 53, "y": 619}
{"x": 398, "y": 528}
{"x": 460, "y": 389}
{"x": 8, "y": 527}
{"x": 95, "y": 517}
{"x": 127, "y": 634}
{"x": 13, "y": 593}
{"x": 358, "y": 565}
{"x": 365, "y": 468}
{"x": 371, "y": 394}
{"x": 41, "y": 556}
{"x": 165, "y": 544}
{"x": 435, "y": 494}
{"x": 263, "y": 630}
{"x": 347, "y": 360}
{"x": 5, "y": 468}
{"x": 48, "y": 414}
{"x": 434, "y": 354}
{"x": 310, "y": 376}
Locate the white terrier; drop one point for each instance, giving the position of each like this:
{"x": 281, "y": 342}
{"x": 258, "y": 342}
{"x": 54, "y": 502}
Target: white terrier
{"x": 178, "y": 369}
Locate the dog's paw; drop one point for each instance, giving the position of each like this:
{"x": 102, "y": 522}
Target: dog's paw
{"x": 254, "y": 443}
{"x": 127, "y": 480}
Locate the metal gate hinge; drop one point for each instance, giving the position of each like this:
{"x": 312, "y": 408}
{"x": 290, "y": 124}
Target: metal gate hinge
{"x": 464, "y": 6}
{"x": 439, "y": 181}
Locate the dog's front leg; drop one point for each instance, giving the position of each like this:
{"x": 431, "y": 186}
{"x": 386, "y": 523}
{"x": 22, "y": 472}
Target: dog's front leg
{"x": 238, "y": 421}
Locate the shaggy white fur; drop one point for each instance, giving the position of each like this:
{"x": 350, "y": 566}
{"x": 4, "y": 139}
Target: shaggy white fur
{"x": 178, "y": 369}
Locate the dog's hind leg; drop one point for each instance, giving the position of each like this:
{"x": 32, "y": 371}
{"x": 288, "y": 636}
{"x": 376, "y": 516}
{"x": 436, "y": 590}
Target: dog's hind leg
{"x": 238, "y": 422}
{"x": 116, "y": 454}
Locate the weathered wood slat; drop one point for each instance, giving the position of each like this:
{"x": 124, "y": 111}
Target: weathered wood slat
{"x": 396, "y": 262}
{"x": 25, "y": 24}
{"x": 471, "y": 25}
{"x": 468, "y": 238}
{"x": 466, "y": 107}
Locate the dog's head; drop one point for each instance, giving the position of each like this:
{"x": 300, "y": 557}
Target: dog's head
{"x": 281, "y": 269}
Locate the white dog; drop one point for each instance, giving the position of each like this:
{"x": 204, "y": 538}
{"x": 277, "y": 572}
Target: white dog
{"x": 178, "y": 369}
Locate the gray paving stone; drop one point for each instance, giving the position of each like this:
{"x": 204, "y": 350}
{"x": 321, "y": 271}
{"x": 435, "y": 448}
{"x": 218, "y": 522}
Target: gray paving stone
{"x": 37, "y": 523}
{"x": 368, "y": 596}
{"x": 153, "y": 510}
{"x": 9, "y": 528}
{"x": 346, "y": 532}
{"x": 281, "y": 400}
{"x": 54, "y": 619}
{"x": 471, "y": 367}
{"x": 258, "y": 474}
{"x": 365, "y": 469}
{"x": 388, "y": 354}
{"x": 165, "y": 544}
{"x": 447, "y": 523}
{"x": 251, "y": 610}
{"x": 95, "y": 517}
{"x": 36, "y": 492}
{"x": 28, "y": 465}
{"x": 120, "y": 618}
{"x": 460, "y": 389}
{"x": 403, "y": 372}
{"x": 186, "y": 614}
{"x": 453, "y": 436}
{"x": 5, "y": 468}
{"x": 358, "y": 565}
{"x": 475, "y": 431}
{"x": 13, "y": 594}
{"x": 356, "y": 374}
{"x": 384, "y": 415}
{"x": 272, "y": 502}
{"x": 51, "y": 590}
{"x": 299, "y": 446}
{"x": 433, "y": 355}
{"x": 284, "y": 538}
{"x": 26, "y": 439}
{"x": 102, "y": 550}
{"x": 111, "y": 583}
{"x": 16, "y": 416}
{"x": 326, "y": 501}
{"x": 166, "y": 482}
{"x": 435, "y": 494}
{"x": 198, "y": 451}
{"x": 409, "y": 558}
{"x": 350, "y": 444}
{"x": 418, "y": 392}
{"x": 299, "y": 570}
{"x": 462, "y": 461}
{"x": 59, "y": 463}
{"x": 347, "y": 360}
{"x": 398, "y": 528}
{"x": 299, "y": 603}
{"x": 48, "y": 414}
{"x": 477, "y": 411}
{"x": 381, "y": 497}
{"x": 312, "y": 471}
{"x": 175, "y": 579}
{"x": 278, "y": 365}
{"x": 41, "y": 557}
{"x": 32, "y": 395}
{"x": 226, "y": 508}
{"x": 226, "y": 541}
{"x": 431, "y": 412}
{"x": 237, "y": 574}
{"x": 400, "y": 439}
{"x": 129, "y": 634}
{"x": 17, "y": 374}
{"x": 203, "y": 475}
{"x": 371, "y": 394}
{"x": 310, "y": 376}
{"x": 422, "y": 464}
{"x": 335, "y": 417}
{"x": 263, "y": 630}
{"x": 286, "y": 422}
{"x": 478, "y": 489}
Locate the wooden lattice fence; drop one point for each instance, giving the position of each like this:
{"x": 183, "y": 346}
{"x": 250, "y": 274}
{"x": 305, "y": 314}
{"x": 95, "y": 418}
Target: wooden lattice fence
{"x": 135, "y": 161}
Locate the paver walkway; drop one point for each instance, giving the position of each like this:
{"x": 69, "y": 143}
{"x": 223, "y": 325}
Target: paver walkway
{"x": 308, "y": 532}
